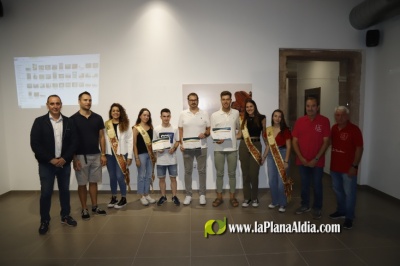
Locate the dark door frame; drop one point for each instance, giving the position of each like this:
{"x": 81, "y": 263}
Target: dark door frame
{"x": 349, "y": 71}
{"x": 314, "y": 92}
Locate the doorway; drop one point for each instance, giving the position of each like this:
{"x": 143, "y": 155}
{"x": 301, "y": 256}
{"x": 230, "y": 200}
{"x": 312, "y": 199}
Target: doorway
{"x": 316, "y": 93}
{"x": 349, "y": 79}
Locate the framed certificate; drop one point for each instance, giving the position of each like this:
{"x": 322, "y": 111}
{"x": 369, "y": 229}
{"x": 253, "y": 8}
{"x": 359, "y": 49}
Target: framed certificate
{"x": 161, "y": 144}
{"x": 192, "y": 143}
{"x": 219, "y": 133}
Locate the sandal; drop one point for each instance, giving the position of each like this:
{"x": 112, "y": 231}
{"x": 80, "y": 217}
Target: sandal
{"x": 217, "y": 202}
{"x": 234, "y": 202}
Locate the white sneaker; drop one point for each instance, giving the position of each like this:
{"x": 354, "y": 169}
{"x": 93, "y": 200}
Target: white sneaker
{"x": 144, "y": 201}
{"x": 203, "y": 200}
{"x": 187, "y": 200}
{"x": 272, "y": 206}
{"x": 150, "y": 199}
{"x": 246, "y": 203}
{"x": 255, "y": 203}
{"x": 282, "y": 209}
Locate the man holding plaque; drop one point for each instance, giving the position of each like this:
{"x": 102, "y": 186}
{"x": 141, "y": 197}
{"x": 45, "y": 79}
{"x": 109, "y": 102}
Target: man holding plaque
{"x": 224, "y": 124}
{"x": 194, "y": 128}
{"x": 165, "y": 143}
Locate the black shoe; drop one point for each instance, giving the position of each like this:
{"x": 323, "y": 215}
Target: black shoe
{"x": 348, "y": 224}
{"x": 161, "y": 200}
{"x": 317, "y": 214}
{"x": 113, "y": 202}
{"x": 85, "y": 214}
{"x": 176, "y": 200}
{"x": 336, "y": 215}
{"x": 68, "y": 220}
{"x": 121, "y": 203}
{"x": 98, "y": 211}
{"x": 44, "y": 227}
{"x": 302, "y": 209}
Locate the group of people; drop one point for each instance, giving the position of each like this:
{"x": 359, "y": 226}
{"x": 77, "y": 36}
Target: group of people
{"x": 90, "y": 144}
{"x": 312, "y": 135}
{"x": 54, "y": 143}
{"x": 226, "y": 126}
{"x": 57, "y": 140}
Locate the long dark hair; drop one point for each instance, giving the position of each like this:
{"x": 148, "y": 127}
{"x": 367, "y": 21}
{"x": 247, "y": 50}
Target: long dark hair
{"x": 123, "y": 117}
{"x": 138, "y": 120}
{"x": 282, "y": 125}
{"x": 257, "y": 114}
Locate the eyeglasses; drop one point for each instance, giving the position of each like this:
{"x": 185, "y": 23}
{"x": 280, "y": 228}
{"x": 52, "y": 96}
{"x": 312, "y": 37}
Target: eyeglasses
{"x": 191, "y": 100}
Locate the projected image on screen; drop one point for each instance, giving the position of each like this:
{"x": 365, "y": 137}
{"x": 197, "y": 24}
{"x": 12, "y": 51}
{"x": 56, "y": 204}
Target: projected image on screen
{"x": 66, "y": 76}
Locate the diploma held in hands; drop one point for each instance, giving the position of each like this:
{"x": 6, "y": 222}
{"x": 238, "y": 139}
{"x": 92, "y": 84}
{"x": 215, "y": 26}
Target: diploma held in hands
{"x": 219, "y": 133}
{"x": 161, "y": 144}
{"x": 192, "y": 143}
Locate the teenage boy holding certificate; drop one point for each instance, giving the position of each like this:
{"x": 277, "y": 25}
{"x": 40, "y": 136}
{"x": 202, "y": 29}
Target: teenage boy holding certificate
{"x": 165, "y": 143}
{"x": 224, "y": 124}
{"x": 194, "y": 128}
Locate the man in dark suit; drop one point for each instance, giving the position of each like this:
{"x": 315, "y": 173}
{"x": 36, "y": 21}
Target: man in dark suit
{"x": 54, "y": 141}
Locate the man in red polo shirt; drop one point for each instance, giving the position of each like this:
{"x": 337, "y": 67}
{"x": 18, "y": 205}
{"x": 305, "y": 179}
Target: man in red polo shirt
{"x": 347, "y": 149}
{"x": 310, "y": 141}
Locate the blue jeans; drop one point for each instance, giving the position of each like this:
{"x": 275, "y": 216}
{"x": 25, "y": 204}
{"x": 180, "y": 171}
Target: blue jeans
{"x": 144, "y": 174}
{"x": 275, "y": 180}
{"x": 219, "y": 161}
{"x": 345, "y": 188}
{"x": 116, "y": 176}
{"x": 314, "y": 175}
{"x": 47, "y": 174}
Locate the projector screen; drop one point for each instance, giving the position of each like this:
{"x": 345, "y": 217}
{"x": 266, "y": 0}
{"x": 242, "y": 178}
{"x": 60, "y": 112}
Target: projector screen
{"x": 66, "y": 76}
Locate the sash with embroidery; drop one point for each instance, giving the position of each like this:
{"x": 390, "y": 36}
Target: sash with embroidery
{"x": 287, "y": 181}
{"x": 119, "y": 157}
{"x": 147, "y": 141}
{"x": 250, "y": 146}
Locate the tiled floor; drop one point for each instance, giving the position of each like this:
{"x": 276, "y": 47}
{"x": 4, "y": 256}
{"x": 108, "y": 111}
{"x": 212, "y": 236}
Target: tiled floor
{"x": 170, "y": 235}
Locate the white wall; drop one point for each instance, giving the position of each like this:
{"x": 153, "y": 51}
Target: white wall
{"x": 150, "y": 48}
{"x": 324, "y": 75}
{"x": 382, "y": 145}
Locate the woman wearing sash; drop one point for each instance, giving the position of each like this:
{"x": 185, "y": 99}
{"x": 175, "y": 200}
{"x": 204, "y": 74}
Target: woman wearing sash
{"x": 119, "y": 149}
{"x": 282, "y": 139}
{"x": 252, "y": 128}
{"x": 144, "y": 156}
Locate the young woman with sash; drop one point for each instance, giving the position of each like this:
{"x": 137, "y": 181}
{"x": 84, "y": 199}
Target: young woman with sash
{"x": 119, "y": 149}
{"x": 252, "y": 128}
{"x": 144, "y": 156}
{"x": 277, "y": 153}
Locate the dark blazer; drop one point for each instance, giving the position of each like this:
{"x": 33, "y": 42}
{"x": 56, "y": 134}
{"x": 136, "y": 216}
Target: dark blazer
{"x": 43, "y": 143}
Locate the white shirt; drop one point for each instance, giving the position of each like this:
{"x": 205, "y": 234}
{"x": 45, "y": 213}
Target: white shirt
{"x": 194, "y": 124}
{"x": 58, "y": 129}
{"x": 125, "y": 142}
{"x": 166, "y": 158}
{"x": 223, "y": 119}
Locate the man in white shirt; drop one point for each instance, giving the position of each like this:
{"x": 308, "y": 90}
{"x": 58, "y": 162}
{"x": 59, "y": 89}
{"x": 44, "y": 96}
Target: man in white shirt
{"x": 54, "y": 141}
{"x": 166, "y": 158}
{"x": 224, "y": 124}
{"x": 194, "y": 128}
